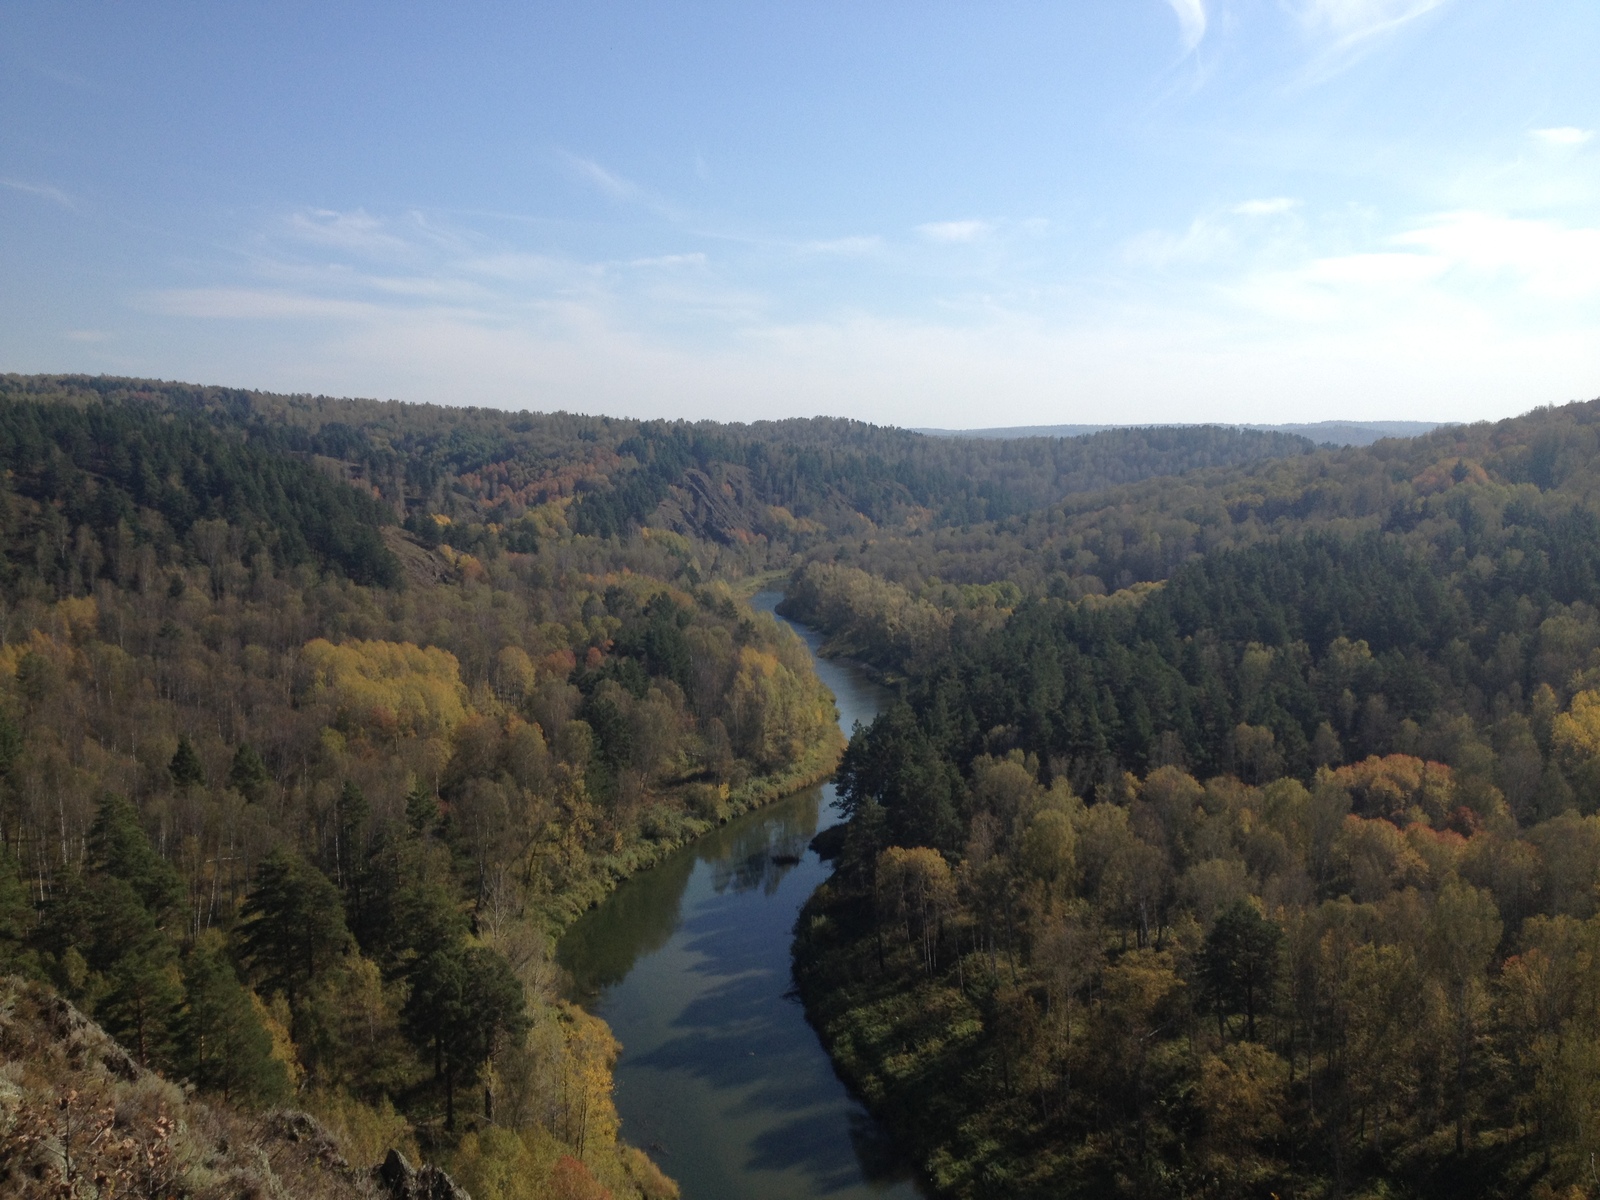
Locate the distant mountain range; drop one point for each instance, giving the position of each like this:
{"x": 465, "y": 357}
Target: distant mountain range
{"x": 1334, "y": 433}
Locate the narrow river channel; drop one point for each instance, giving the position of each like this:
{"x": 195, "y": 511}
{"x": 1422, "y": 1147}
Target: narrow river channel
{"x": 720, "y": 1078}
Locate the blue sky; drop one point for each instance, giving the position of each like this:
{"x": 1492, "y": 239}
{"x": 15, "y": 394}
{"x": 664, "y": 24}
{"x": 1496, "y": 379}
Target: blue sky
{"x": 948, "y": 214}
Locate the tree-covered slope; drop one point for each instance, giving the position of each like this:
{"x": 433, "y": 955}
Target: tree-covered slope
{"x": 1275, "y": 872}
{"x": 765, "y": 488}
{"x": 292, "y": 799}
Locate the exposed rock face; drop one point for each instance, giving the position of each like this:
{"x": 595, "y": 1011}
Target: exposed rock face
{"x": 399, "y": 1180}
{"x": 699, "y": 506}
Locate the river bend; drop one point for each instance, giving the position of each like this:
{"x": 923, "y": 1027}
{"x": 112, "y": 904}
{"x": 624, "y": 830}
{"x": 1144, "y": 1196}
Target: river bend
{"x": 720, "y": 1077}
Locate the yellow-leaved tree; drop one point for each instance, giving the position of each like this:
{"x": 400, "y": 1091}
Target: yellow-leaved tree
{"x": 774, "y": 715}
{"x": 391, "y": 689}
{"x": 1575, "y": 737}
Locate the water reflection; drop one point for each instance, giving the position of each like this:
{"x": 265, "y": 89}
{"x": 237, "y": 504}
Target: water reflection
{"x": 764, "y": 852}
{"x": 720, "y": 1076}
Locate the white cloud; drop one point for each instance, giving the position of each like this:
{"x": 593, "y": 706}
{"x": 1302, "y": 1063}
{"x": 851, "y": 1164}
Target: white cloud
{"x": 1376, "y": 270}
{"x": 1546, "y": 259}
{"x": 1479, "y": 270}
{"x": 609, "y": 182}
{"x": 671, "y": 260}
{"x": 43, "y": 190}
{"x": 255, "y": 304}
{"x": 356, "y": 231}
{"x": 1191, "y": 21}
{"x": 1158, "y": 364}
{"x": 1352, "y": 21}
{"x": 1466, "y": 314}
{"x": 845, "y": 246}
{"x": 1265, "y": 208}
{"x": 1206, "y": 240}
{"x": 954, "y": 231}
{"x": 1563, "y": 135}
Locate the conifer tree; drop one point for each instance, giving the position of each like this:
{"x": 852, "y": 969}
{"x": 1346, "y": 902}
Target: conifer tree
{"x": 185, "y": 767}
{"x": 464, "y": 1001}
{"x": 293, "y": 924}
{"x": 351, "y": 811}
{"x": 225, "y": 1046}
{"x": 422, "y": 810}
{"x": 248, "y": 775}
{"x": 138, "y": 989}
{"x": 1239, "y": 963}
{"x": 119, "y": 847}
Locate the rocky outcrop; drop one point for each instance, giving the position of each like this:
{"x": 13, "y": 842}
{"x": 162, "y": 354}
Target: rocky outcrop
{"x": 397, "y": 1179}
{"x": 699, "y": 506}
{"x": 79, "y": 1116}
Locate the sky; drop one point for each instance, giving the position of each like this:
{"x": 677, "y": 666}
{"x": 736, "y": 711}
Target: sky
{"x": 932, "y": 214}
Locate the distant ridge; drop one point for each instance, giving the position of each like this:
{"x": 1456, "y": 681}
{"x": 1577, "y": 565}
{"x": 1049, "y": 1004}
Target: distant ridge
{"x": 1335, "y": 433}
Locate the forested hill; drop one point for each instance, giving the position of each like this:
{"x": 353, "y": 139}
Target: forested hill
{"x": 1465, "y": 494}
{"x": 299, "y": 773}
{"x": 1244, "y": 839}
{"x": 786, "y": 485}
{"x": 1335, "y": 433}
{"x": 102, "y": 468}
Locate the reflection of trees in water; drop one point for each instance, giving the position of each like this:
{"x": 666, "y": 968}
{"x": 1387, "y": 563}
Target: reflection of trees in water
{"x": 748, "y": 862}
{"x": 643, "y": 913}
{"x": 637, "y": 919}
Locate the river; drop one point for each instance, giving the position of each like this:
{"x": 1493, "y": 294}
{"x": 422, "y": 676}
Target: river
{"x": 720, "y": 1077}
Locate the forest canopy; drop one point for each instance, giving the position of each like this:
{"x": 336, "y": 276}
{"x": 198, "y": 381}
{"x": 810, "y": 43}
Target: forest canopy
{"x": 1237, "y": 834}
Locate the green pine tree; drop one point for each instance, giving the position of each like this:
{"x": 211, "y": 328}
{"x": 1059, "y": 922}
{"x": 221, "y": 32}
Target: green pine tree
{"x": 293, "y": 924}
{"x": 351, "y": 811}
{"x": 249, "y": 775}
{"x": 185, "y": 766}
{"x": 225, "y": 1047}
{"x": 137, "y": 988}
{"x": 422, "y": 810}
{"x": 464, "y": 1002}
{"x": 119, "y": 847}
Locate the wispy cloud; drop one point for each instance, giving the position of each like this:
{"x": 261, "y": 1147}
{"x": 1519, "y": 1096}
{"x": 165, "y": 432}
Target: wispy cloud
{"x": 954, "y": 231}
{"x": 845, "y": 246}
{"x": 1545, "y": 258}
{"x": 1351, "y": 21}
{"x": 670, "y": 260}
{"x": 1191, "y": 21}
{"x": 253, "y": 304}
{"x": 43, "y": 190}
{"x": 1206, "y": 240}
{"x": 357, "y": 231}
{"x": 608, "y": 182}
{"x": 1483, "y": 271}
{"x": 1345, "y": 31}
{"x": 1270, "y": 207}
{"x": 1562, "y": 135}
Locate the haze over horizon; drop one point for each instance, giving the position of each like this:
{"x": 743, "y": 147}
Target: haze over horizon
{"x": 931, "y": 216}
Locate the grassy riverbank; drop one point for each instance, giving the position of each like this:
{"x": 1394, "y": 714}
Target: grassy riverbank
{"x": 676, "y": 828}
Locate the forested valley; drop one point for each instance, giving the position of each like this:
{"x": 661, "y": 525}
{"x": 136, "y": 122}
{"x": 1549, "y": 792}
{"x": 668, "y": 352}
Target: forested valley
{"x": 1237, "y": 830}
{"x": 301, "y": 772}
{"x": 1237, "y": 833}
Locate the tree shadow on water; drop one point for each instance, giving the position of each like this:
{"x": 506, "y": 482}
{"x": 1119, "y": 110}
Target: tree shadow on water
{"x": 744, "y": 1039}
{"x": 838, "y": 1150}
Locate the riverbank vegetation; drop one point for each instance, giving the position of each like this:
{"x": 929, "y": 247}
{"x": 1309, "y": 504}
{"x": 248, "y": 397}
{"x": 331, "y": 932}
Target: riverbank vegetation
{"x": 300, "y": 772}
{"x": 1238, "y": 834}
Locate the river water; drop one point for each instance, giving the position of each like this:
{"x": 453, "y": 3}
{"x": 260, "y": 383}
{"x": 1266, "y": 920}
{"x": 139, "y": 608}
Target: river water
{"x": 720, "y": 1077}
